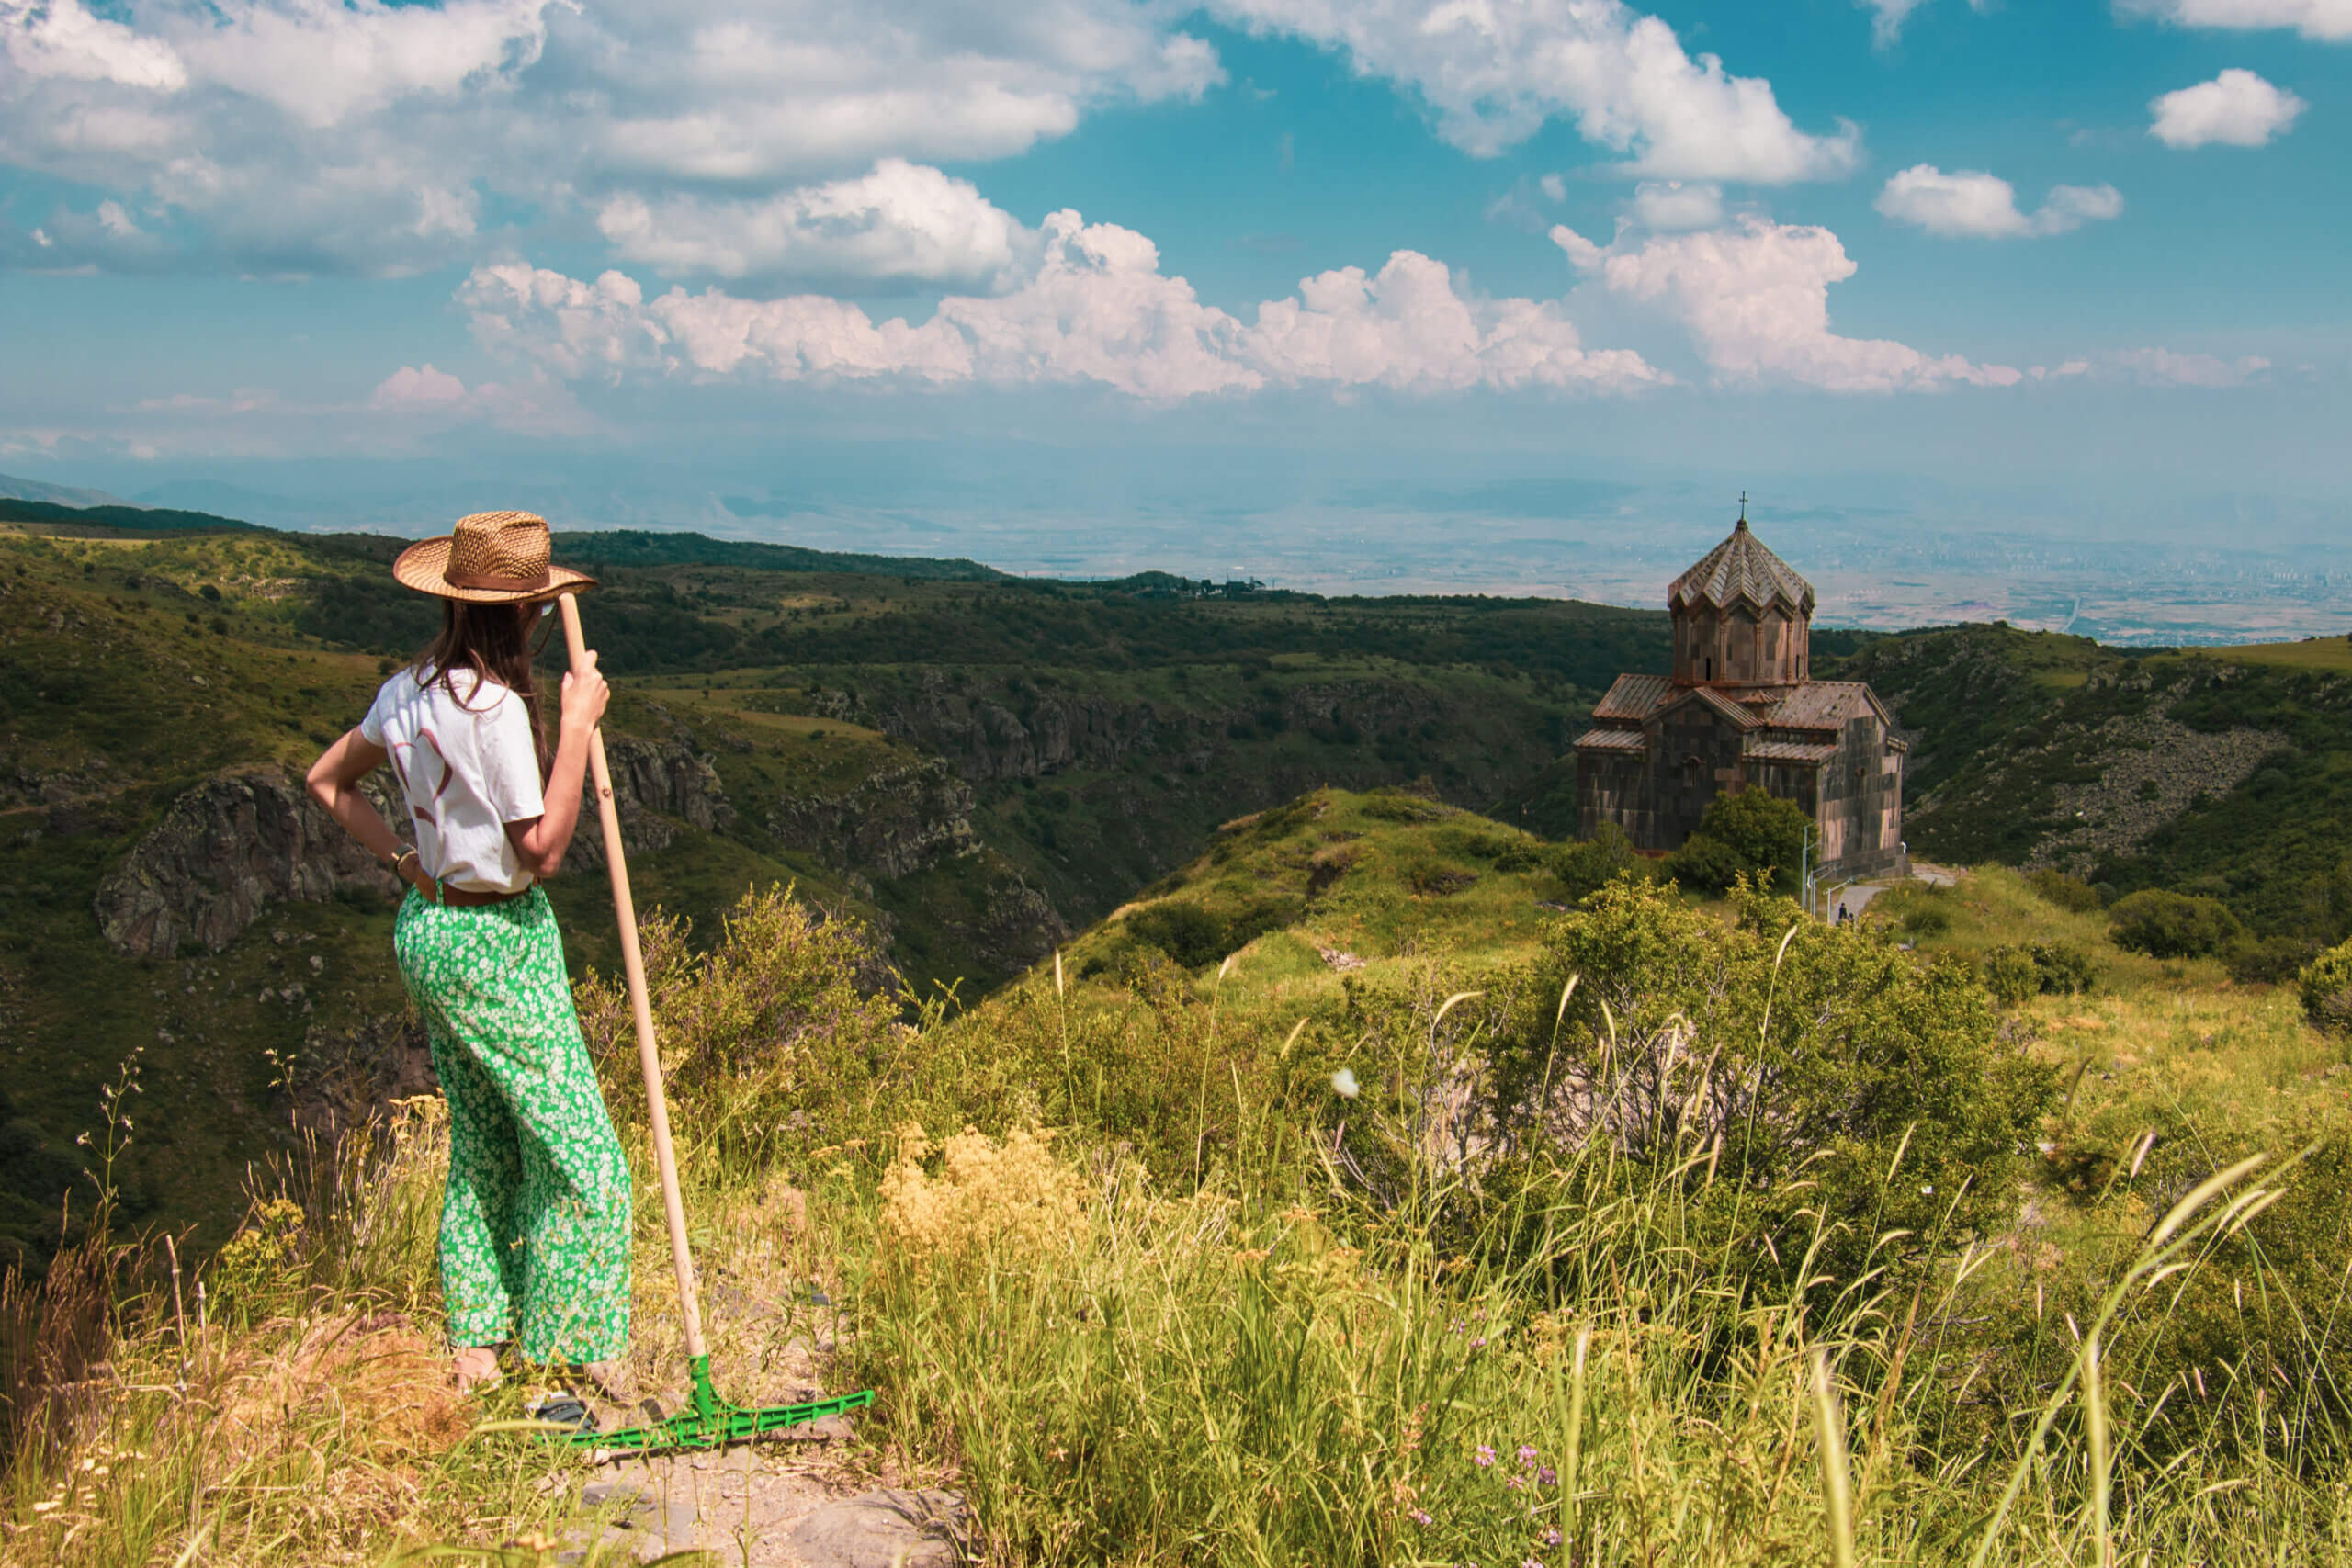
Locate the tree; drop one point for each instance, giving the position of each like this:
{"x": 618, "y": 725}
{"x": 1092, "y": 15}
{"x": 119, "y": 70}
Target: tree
{"x": 2171, "y": 925}
{"x": 1749, "y": 832}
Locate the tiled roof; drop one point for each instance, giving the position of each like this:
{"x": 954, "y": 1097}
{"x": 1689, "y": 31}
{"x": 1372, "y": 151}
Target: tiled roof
{"x": 1633, "y": 696}
{"x": 1826, "y": 704}
{"x": 1741, "y": 568}
{"x": 1788, "y": 751}
{"x": 1630, "y": 741}
{"x": 1743, "y": 717}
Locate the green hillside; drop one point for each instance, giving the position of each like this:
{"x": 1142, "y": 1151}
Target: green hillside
{"x": 972, "y": 765}
{"x": 2223, "y": 771}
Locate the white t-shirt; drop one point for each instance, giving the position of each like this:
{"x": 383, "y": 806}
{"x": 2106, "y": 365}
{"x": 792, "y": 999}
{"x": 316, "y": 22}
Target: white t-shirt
{"x": 467, "y": 769}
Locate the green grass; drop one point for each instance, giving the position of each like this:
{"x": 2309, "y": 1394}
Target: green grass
{"x": 2311, "y": 653}
{"x": 1255, "y": 1358}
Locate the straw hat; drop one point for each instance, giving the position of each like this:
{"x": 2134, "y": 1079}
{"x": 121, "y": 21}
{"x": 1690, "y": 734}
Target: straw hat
{"x": 491, "y": 557}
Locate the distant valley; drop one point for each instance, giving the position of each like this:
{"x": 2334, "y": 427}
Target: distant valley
{"x": 977, "y": 765}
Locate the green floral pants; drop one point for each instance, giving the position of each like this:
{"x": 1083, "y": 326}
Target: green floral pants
{"x": 535, "y": 1225}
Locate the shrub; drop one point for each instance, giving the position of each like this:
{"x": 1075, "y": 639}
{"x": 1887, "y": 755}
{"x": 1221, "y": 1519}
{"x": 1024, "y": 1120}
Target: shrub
{"x": 1195, "y": 937}
{"x": 2069, "y": 892}
{"x": 2009, "y": 975}
{"x": 1704, "y": 861}
{"x": 2270, "y": 960}
{"x": 2327, "y": 989}
{"x": 1588, "y": 865}
{"x": 1749, "y": 832}
{"x": 2171, "y": 925}
{"x": 1682, "y": 1033}
{"x": 777, "y": 1031}
{"x": 2017, "y": 971}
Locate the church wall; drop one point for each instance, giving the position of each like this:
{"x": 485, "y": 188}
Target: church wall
{"x": 1796, "y": 782}
{"x": 1615, "y": 789}
{"x": 1697, "y": 753}
{"x": 1738, "y": 647}
{"x": 1862, "y": 803}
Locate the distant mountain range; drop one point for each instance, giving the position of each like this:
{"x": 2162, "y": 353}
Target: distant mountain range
{"x": 14, "y": 489}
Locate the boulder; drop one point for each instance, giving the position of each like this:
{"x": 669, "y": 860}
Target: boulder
{"x": 223, "y": 851}
{"x": 890, "y": 1528}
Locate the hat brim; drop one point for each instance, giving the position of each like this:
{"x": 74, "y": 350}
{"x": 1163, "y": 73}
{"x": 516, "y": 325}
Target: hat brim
{"x": 425, "y": 567}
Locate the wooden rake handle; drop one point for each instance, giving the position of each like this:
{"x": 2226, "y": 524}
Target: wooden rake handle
{"x": 640, "y": 1005}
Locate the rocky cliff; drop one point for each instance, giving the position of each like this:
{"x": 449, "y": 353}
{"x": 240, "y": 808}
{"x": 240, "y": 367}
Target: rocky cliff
{"x": 893, "y": 823}
{"x": 228, "y": 848}
{"x": 224, "y": 851}
{"x": 1013, "y": 730}
{"x": 655, "y": 784}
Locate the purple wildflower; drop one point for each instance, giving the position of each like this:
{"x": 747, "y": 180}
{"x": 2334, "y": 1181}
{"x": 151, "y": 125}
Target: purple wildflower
{"x": 1479, "y": 1344}
{"x": 1550, "y": 1537}
{"x": 1486, "y": 1456}
{"x": 1526, "y": 1455}
{"x": 1421, "y": 1517}
{"x": 1548, "y": 1476}
{"x": 1516, "y": 1482}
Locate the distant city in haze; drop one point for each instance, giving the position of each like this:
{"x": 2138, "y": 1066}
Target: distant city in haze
{"x": 1881, "y": 568}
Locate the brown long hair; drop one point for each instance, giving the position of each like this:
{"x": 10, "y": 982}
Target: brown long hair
{"x": 495, "y": 642}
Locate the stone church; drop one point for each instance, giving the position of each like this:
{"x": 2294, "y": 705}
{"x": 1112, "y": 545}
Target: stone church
{"x": 1741, "y": 711}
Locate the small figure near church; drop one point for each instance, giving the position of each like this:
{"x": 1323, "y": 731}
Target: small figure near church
{"x": 1741, "y": 711}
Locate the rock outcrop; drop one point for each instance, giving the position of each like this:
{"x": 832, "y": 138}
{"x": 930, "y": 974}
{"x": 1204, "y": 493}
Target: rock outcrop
{"x": 987, "y": 740}
{"x": 228, "y": 847}
{"x": 889, "y": 1527}
{"x": 653, "y": 782}
{"x": 892, "y": 823}
{"x": 224, "y": 851}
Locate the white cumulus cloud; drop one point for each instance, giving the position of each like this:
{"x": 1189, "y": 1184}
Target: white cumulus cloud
{"x": 2324, "y": 20}
{"x": 418, "y": 396}
{"x": 2236, "y": 109}
{"x": 356, "y": 135}
{"x": 1093, "y": 306}
{"x": 1495, "y": 71}
{"x": 1755, "y": 298}
{"x": 1972, "y": 204}
{"x": 901, "y": 222}
{"x": 62, "y": 39}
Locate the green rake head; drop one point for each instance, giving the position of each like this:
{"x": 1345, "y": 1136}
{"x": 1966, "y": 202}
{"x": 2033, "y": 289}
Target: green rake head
{"x": 711, "y": 1423}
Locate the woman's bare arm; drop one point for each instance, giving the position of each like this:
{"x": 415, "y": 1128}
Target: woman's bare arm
{"x": 333, "y": 783}
{"x": 542, "y": 841}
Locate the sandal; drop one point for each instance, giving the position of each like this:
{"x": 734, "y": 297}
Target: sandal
{"x": 562, "y": 1409}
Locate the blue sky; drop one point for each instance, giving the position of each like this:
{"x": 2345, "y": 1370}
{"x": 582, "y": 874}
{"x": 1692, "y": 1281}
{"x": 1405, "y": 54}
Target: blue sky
{"x": 1083, "y": 263}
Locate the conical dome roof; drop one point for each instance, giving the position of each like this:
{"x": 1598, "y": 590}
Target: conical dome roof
{"x": 1741, "y": 568}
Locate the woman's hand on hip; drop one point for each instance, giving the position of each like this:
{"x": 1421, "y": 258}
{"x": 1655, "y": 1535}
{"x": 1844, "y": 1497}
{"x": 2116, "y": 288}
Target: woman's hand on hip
{"x": 585, "y": 695}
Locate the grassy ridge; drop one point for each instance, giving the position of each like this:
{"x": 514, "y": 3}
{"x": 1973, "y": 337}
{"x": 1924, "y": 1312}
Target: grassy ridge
{"x": 103, "y": 723}
{"x": 2219, "y": 771}
{"x": 1183, "y": 1326}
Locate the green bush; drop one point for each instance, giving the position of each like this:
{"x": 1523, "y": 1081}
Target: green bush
{"x": 1195, "y": 937}
{"x": 2011, "y": 975}
{"x": 1589, "y": 865}
{"x": 2017, "y": 971}
{"x": 2270, "y": 960}
{"x": 2327, "y": 989}
{"x": 1687, "y": 1039}
{"x": 1751, "y": 832}
{"x": 1708, "y": 862}
{"x": 2069, "y": 892}
{"x": 2172, "y": 925}
{"x": 773, "y": 1035}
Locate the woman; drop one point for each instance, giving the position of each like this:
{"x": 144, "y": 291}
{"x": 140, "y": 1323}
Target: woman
{"x": 535, "y": 1223}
